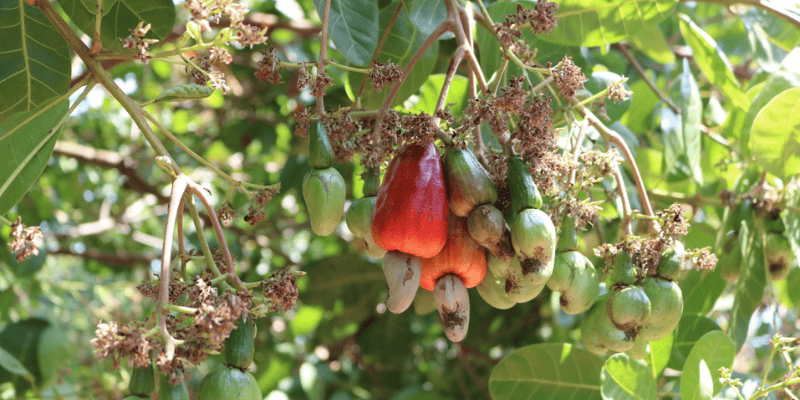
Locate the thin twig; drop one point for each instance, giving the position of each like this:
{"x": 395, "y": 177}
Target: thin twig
{"x": 323, "y": 54}
{"x": 178, "y": 190}
{"x": 448, "y": 79}
{"x": 638, "y": 67}
{"x": 385, "y": 35}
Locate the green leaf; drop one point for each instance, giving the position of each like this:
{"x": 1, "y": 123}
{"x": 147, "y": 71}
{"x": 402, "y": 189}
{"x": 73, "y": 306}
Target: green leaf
{"x": 34, "y": 59}
{"x": 775, "y": 134}
{"x": 21, "y": 340}
{"x": 53, "y": 353}
{"x": 389, "y": 339}
{"x": 791, "y": 221}
{"x": 715, "y": 350}
{"x": 310, "y": 382}
{"x": 121, "y": 18}
{"x": 660, "y": 352}
{"x": 785, "y": 77}
{"x": 701, "y": 289}
{"x": 184, "y": 92}
{"x": 682, "y": 145}
{"x": 598, "y": 23}
{"x": 91, "y": 5}
{"x": 547, "y": 371}
{"x": 627, "y": 379}
{"x": 652, "y": 43}
{"x": 353, "y": 27}
{"x": 400, "y": 46}
{"x": 26, "y": 143}
{"x": 426, "y": 15}
{"x": 429, "y": 95}
{"x": 700, "y": 387}
{"x": 750, "y": 286}
{"x": 712, "y": 61}
{"x": 12, "y": 365}
{"x": 690, "y": 329}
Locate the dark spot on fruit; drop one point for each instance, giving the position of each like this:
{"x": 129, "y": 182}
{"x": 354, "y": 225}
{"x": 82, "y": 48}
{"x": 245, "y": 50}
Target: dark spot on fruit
{"x": 531, "y": 265}
{"x": 409, "y": 275}
{"x": 451, "y": 318}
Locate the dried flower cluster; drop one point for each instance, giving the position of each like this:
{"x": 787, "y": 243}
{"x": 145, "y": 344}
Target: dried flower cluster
{"x": 226, "y": 213}
{"x": 322, "y": 81}
{"x": 137, "y": 41}
{"x": 123, "y": 341}
{"x": 269, "y": 67}
{"x": 541, "y": 19}
{"x": 617, "y": 92}
{"x": 255, "y": 213}
{"x": 568, "y": 77}
{"x": 205, "y": 12}
{"x": 23, "y": 240}
{"x": 281, "y": 288}
{"x": 384, "y": 75}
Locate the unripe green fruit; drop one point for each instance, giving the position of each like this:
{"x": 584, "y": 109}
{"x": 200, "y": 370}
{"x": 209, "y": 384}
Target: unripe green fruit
{"x": 589, "y": 335}
{"x": 240, "y": 345}
{"x": 577, "y": 280}
{"x": 135, "y": 397}
{"x": 168, "y": 392}
{"x": 143, "y": 381}
{"x": 534, "y": 238}
{"x": 612, "y": 337}
{"x": 779, "y": 255}
{"x": 324, "y": 194}
{"x": 568, "y": 239}
{"x": 666, "y": 303}
{"x": 493, "y": 291}
{"x": 486, "y": 225}
{"x": 372, "y": 182}
{"x": 640, "y": 349}
{"x": 359, "y": 221}
{"x": 669, "y": 267}
{"x": 320, "y": 152}
{"x": 518, "y": 286}
{"x": 623, "y": 272}
{"x": 468, "y": 184}
{"x": 524, "y": 193}
{"x": 227, "y": 383}
{"x": 629, "y": 307}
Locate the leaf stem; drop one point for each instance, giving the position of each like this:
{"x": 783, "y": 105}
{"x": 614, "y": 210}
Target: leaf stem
{"x": 201, "y": 237}
{"x": 323, "y": 54}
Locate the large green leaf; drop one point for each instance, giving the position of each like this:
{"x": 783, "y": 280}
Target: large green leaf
{"x": 627, "y": 379}
{"x": 400, "y": 46}
{"x": 12, "y": 365}
{"x": 353, "y": 27}
{"x": 751, "y": 285}
{"x": 393, "y": 329}
{"x": 602, "y": 22}
{"x": 712, "y": 61}
{"x": 785, "y": 77}
{"x": 701, "y": 289}
{"x": 717, "y": 350}
{"x": 26, "y": 143}
{"x": 652, "y": 43}
{"x": 682, "y": 145}
{"x": 429, "y": 95}
{"x": 21, "y": 341}
{"x": 690, "y": 329}
{"x": 122, "y": 17}
{"x": 547, "y": 371}
{"x": 660, "y": 352}
{"x": 792, "y": 222}
{"x": 426, "y": 15}
{"x": 34, "y": 58}
{"x": 775, "y": 134}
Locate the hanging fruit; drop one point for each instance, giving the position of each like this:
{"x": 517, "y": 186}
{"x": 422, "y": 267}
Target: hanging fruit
{"x": 468, "y": 184}
{"x": 518, "y": 286}
{"x": 323, "y": 186}
{"x": 168, "y": 392}
{"x": 410, "y": 220}
{"x": 143, "y": 381}
{"x": 573, "y": 275}
{"x": 240, "y": 345}
{"x": 669, "y": 267}
{"x": 534, "y": 238}
{"x": 492, "y": 290}
{"x": 460, "y": 265}
{"x": 488, "y": 227}
{"x": 666, "y": 308}
{"x": 228, "y": 383}
{"x": 524, "y": 193}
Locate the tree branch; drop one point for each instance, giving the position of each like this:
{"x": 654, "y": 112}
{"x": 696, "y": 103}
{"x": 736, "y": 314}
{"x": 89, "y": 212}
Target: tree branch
{"x": 118, "y": 260}
{"x": 638, "y": 67}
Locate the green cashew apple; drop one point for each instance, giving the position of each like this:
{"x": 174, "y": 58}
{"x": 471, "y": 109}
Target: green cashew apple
{"x": 226, "y": 383}
{"x": 524, "y": 193}
{"x": 577, "y": 280}
{"x": 519, "y": 286}
{"x": 468, "y": 183}
{"x": 168, "y": 392}
{"x": 534, "y": 238}
{"x": 240, "y": 345}
{"x": 487, "y": 226}
{"x": 492, "y": 290}
{"x": 589, "y": 335}
{"x": 623, "y": 272}
{"x": 669, "y": 267}
{"x": 324, "y": 194}
{"x": 611, "y": 336}
{"x": 779, "y": 256}
{"x": 143, "y": 381}
{"x": 629, "y": 307}
{"x": 359, "y": 221}
{"x": 666, "y": 303}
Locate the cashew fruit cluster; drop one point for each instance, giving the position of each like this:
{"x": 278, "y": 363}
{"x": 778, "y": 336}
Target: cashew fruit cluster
{"x": 639, "y": 308}
{"x": 232, "y": 380}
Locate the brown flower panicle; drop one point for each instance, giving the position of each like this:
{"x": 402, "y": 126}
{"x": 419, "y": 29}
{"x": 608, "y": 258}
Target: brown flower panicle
{"x": 281, "y": 288}
{"x": 269, "y": 67}
{"x": 23, "y": 240}
{"x": 568, "y": 77}
{"x": 384, "y": 75}
{"x": 137, "y": 41}
{"x": 322, "y": 81}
